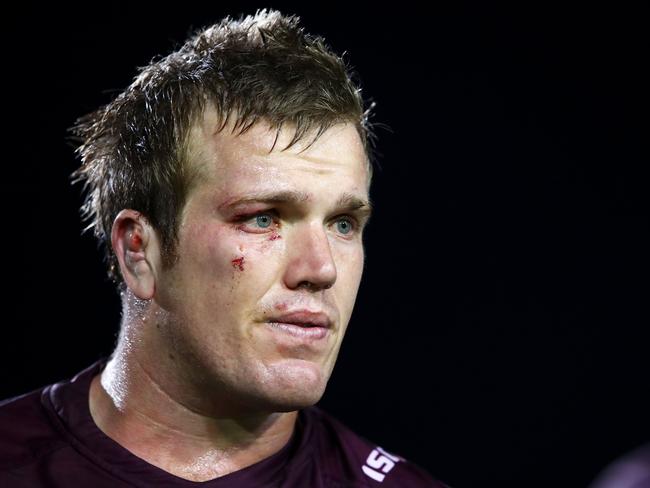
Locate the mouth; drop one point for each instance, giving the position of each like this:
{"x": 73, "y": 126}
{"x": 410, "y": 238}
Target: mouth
{"x": 303, "y": 318}
{"x": 303, "y": 324}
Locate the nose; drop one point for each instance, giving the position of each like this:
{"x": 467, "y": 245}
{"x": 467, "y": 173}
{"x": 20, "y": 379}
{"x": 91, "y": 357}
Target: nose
{"x": 310, "y": 262}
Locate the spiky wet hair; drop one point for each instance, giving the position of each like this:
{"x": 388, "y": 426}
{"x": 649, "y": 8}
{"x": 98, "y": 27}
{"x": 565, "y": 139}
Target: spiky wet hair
{"x": 133, "y": 150}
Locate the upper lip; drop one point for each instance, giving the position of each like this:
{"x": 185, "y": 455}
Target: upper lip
{"x": 304, "y": 318}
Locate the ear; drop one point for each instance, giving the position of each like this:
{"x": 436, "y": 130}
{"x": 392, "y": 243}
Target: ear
{"x": 135, "y": 244}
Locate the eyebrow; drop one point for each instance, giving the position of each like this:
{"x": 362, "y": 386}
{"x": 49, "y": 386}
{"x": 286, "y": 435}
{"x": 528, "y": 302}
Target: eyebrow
{"x": 352, "y": 203}
{"x": 288, "y": 196}
{"x": 347, "y": 201}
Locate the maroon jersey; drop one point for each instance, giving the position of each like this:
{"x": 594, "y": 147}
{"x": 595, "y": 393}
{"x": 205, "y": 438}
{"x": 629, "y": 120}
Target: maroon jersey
{"x": 49, "y": 439}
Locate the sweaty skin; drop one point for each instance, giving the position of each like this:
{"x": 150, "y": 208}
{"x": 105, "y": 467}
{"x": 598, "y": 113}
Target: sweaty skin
{"x": 206, "y": 379}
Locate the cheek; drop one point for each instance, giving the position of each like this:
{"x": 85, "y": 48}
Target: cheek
{"x": 349, "y": 271}
{"x": 257, "y": 256}
{"x": 231, "y": 264}
{"x": 351, "y": 262}
{"x": 253, "y": 255}
{"x": 238, "y": 263}
{"x": 215, "y": 255}
{"x": 249, "y": 263}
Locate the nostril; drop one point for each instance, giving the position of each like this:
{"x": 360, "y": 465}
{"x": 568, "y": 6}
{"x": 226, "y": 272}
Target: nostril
{"x": 308, "y": 285}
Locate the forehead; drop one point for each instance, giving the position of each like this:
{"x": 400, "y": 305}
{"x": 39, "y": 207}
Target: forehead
{"x": 223, "y": 156}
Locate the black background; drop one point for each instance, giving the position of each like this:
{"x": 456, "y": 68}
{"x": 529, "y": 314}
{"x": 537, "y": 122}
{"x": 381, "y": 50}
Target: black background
{"x": 500, "y": 336}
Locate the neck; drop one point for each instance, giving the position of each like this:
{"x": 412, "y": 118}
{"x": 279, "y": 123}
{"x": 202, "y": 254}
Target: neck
{"x": 141, "y": 404}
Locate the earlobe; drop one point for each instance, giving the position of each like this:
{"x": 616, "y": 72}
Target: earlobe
{"x": 132, "y": 240}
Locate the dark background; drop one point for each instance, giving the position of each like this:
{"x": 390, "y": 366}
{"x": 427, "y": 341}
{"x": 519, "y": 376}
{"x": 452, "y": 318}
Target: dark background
{"x": 501, "y": 332}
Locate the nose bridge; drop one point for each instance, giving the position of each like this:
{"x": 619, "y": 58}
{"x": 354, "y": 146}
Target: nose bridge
{"x": 310, "y": 257}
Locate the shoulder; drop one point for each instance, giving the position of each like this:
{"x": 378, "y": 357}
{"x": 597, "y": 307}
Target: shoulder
{"x": 25, "y": 430}
{"x": 352, "y": 460}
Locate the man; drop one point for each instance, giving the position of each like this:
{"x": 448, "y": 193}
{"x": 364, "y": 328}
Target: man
{"x": 229, "y": 184}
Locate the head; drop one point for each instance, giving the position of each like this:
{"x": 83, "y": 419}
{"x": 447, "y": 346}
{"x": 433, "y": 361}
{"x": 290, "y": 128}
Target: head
{"x": 229, "y": 186}
{"x": 134, "y": 150}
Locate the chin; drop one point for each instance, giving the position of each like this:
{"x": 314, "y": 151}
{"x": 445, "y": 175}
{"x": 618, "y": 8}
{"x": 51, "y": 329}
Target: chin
{"x": 293, "y": 385}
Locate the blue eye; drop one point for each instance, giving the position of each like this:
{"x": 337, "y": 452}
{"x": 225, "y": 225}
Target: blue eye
{"x": 264, "y": 220}
{"x": 344, "y": 226}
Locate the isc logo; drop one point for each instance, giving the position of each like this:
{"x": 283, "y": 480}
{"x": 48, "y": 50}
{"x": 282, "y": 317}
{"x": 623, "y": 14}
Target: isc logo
{"x": 379, "y": 463}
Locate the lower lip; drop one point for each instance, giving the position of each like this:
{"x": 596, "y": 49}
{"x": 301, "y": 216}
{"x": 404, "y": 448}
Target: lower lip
{"x": 313, "y": 333}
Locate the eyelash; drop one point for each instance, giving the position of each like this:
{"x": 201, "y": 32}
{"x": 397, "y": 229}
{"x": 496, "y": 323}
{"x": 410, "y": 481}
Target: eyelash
{"x": 242, "y": 219}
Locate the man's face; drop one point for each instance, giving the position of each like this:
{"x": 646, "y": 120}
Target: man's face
{"x": 270, "y": 260}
